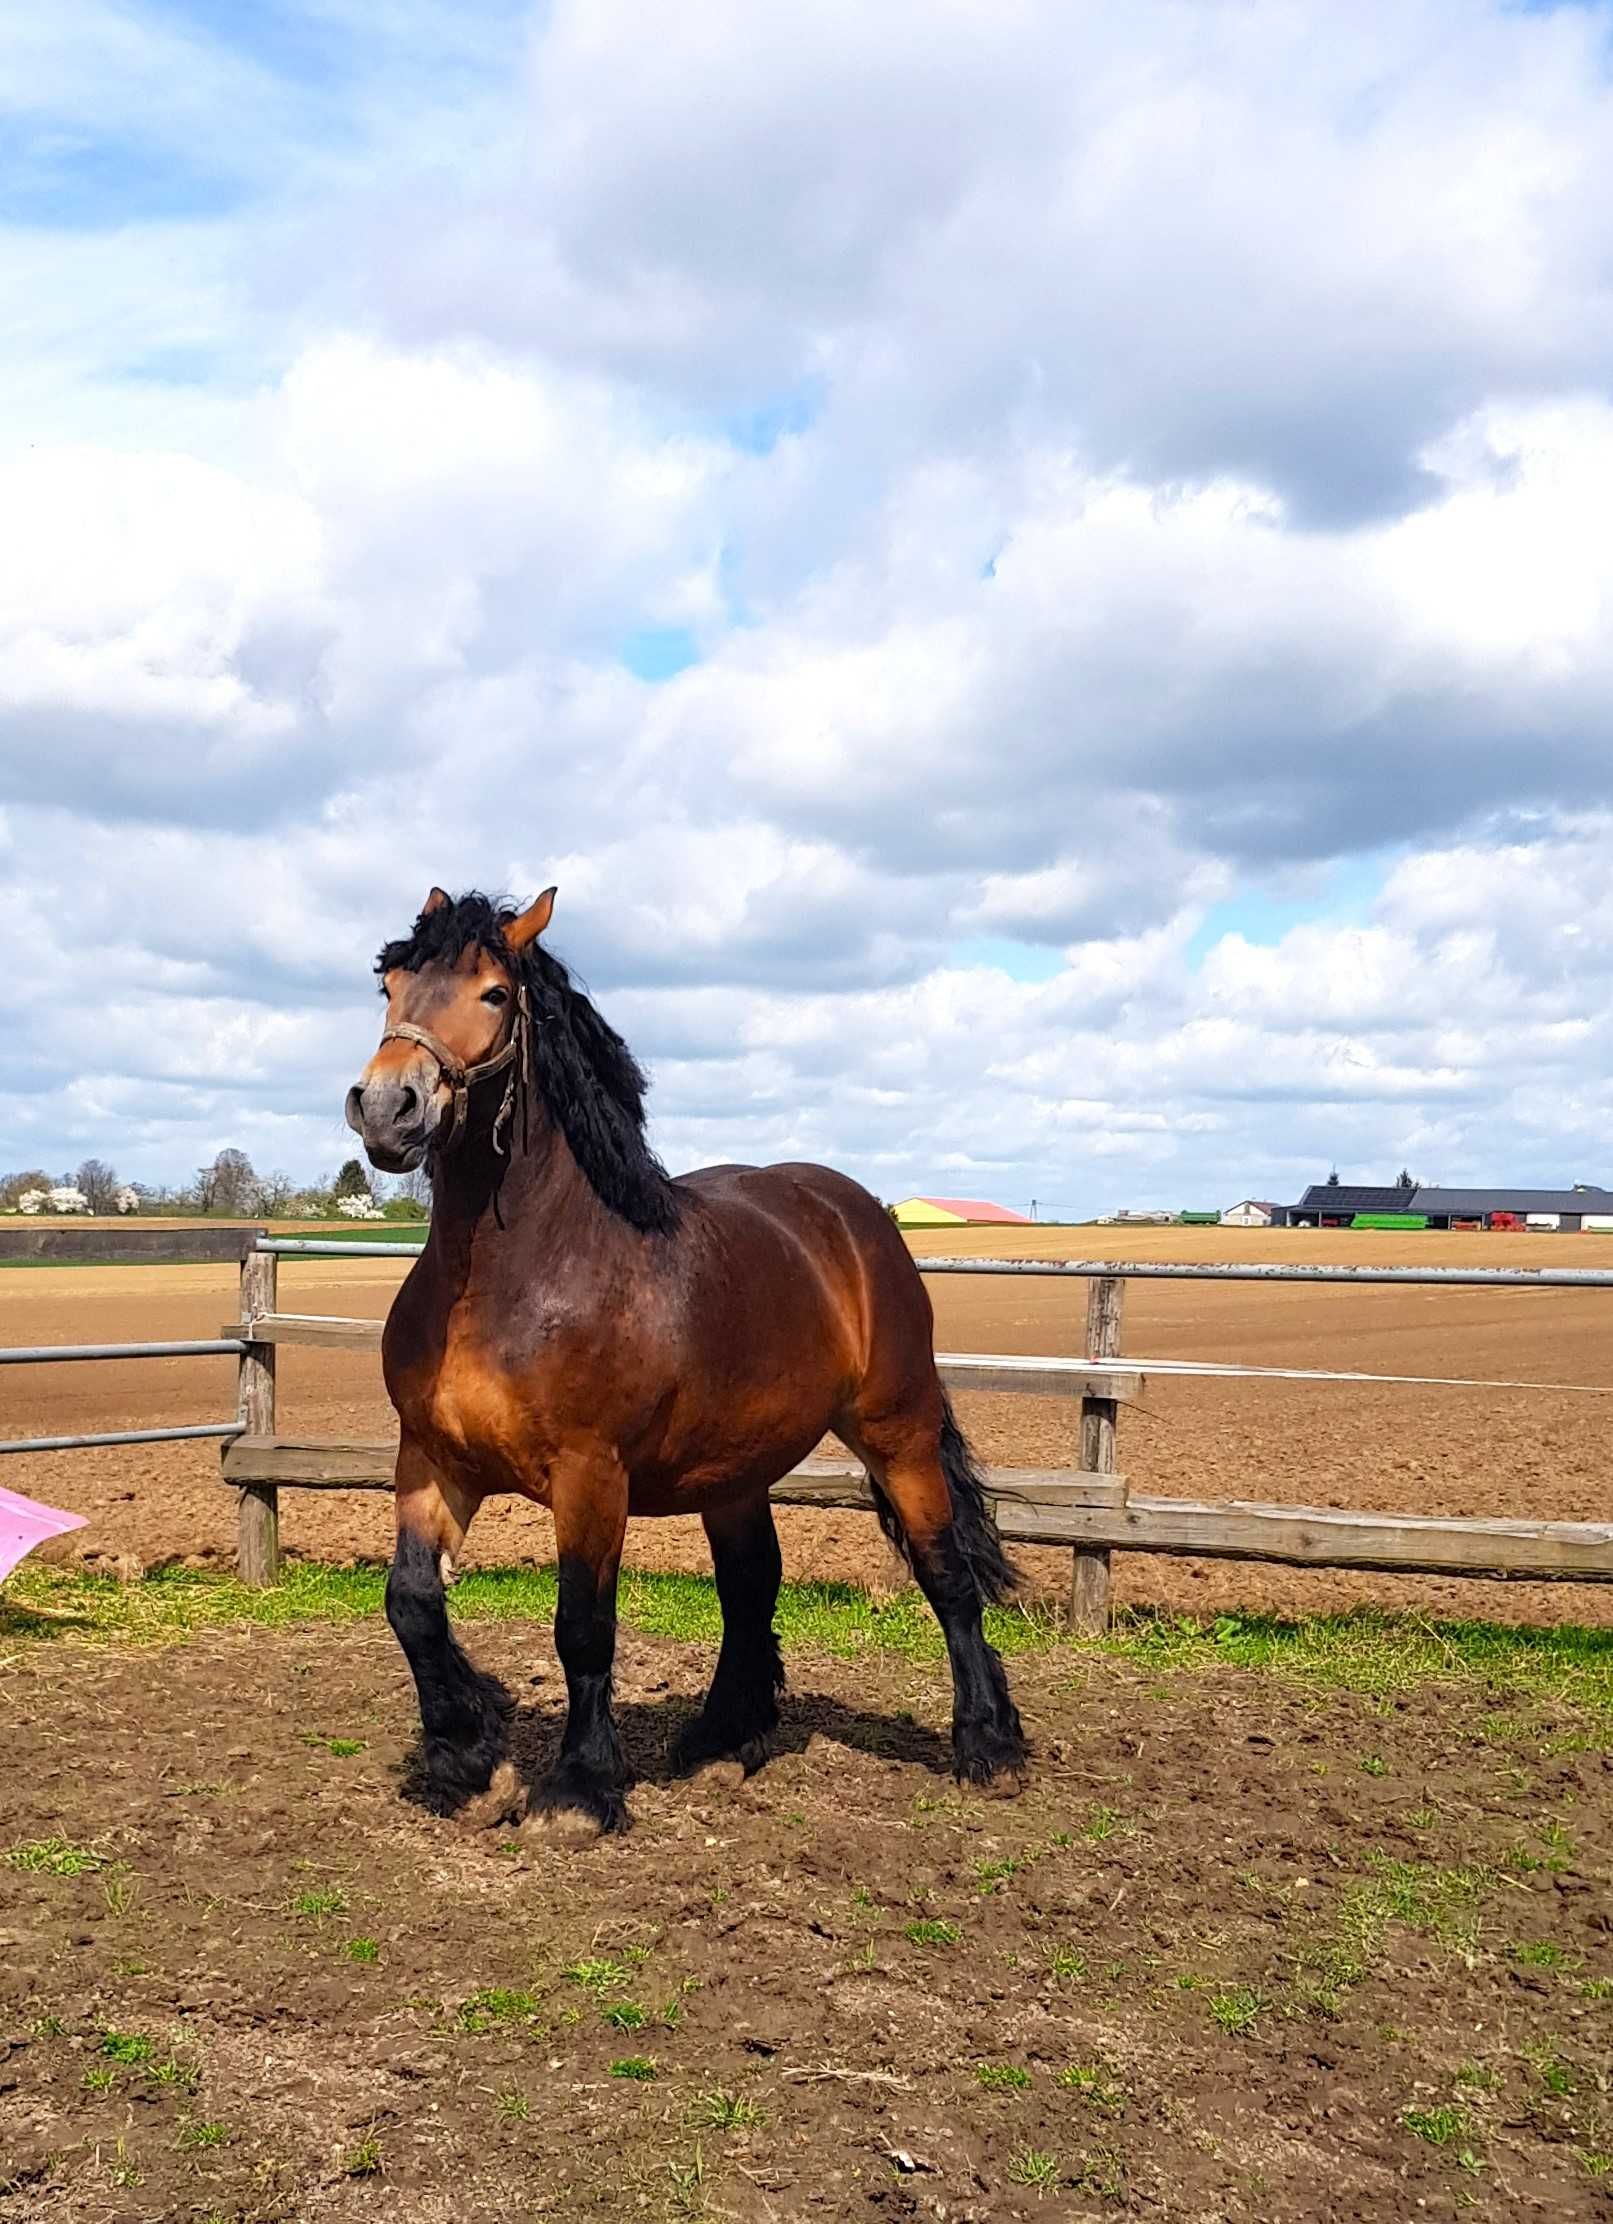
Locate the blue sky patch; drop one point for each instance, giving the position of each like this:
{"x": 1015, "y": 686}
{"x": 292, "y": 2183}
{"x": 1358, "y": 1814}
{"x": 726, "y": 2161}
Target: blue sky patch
{"x": 59, "y": 181}
{"x": 1348, "y": 889}
{"x": 660, "y": 652}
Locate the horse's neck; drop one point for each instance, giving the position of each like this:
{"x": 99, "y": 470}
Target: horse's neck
{"x": 491, "y": 1212}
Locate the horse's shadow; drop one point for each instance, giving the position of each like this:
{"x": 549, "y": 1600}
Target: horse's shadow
{"x": 649, "y": 1729}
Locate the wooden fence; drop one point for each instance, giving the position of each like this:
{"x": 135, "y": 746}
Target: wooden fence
{"x": 1087, "y": 1506}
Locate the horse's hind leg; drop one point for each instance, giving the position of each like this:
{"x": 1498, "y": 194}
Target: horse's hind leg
{"x": 741, "y": 1708}
{"x": 930, "y": 1499}
{"x": 462, "y": 1712}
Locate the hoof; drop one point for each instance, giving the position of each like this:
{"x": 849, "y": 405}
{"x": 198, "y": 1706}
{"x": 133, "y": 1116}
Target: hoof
{"x": 700, "y": 1747}
{"x": 503, "y": 1801}
{"x": 992, "y": 1761}
{"x": 570, "y": 1809}
{"x": 1002, "y": 1783}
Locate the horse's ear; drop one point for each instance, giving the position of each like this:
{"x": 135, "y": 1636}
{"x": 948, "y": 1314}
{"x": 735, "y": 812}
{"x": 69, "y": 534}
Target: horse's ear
{"x": 434, "y": 902}
{"x": 531, "y": 923}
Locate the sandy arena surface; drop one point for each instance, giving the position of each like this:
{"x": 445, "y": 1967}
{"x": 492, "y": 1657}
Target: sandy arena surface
{"x": 1522, "y": 1454}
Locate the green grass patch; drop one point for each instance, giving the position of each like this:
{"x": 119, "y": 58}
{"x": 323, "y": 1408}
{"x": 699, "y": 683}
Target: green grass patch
{"x": 638, "y": 2069}
{"x": 1543, "y": 1953}
{"x": 362, "y": 1949}
{"x": 1035, "y": 2167}
{"x": 1447, "y": 2126}
{"x": 494, "y": 2005}
{"x": 1093, "y": 2085}
{"x": 56, "y": 1857}
{"x": 595, "y": 1976}
{"x": 1002, "y": 2077}
{"x": 127, "y": 2046}
{"x": 720, "y": 2110}
{"x": 1238, "y": 2008}
{"x": 932, "y": 1930}
{"x": 320, "y": 1901}
{"x": 1417, "y": 1895}
{"x": 1373, "y": 1654}
{"x": 364, "y": 2159}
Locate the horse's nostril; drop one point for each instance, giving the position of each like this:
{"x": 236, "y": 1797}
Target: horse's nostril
{"x": 408, "y": 1105}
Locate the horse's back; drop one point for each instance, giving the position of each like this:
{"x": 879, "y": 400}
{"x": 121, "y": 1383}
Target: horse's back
{"x": 799, "y": 1195}
{"x": 838, "y": 1236}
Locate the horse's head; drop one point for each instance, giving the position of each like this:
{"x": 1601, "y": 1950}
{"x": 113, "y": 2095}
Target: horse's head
{"x": 453, "y": 1010}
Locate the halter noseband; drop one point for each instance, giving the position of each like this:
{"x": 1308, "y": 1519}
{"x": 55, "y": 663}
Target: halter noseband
{"x": 462, "y": 1079}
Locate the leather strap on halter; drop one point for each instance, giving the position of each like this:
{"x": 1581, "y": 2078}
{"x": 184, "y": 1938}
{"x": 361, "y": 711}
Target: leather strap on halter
{"x": 461, "y": 1079}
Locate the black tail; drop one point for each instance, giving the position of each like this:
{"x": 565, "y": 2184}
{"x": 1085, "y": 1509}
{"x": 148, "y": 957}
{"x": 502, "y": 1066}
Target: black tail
{"x": 974, "y": 1527}
{"x": 974, "y": 1523}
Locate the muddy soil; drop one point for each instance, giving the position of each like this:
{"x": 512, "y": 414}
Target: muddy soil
{"x": 1241, "y": 1950}
{"x": 1515, "y": 1453}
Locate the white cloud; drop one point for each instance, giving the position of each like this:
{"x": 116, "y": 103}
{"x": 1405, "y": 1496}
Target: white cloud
{"x": 1186, "y": 456}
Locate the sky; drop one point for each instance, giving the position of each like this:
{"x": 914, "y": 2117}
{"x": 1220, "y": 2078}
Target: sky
{"x": 1038, "y": 574}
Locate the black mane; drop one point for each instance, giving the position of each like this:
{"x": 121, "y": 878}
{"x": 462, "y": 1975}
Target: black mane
{"x": 589, "y": 1079}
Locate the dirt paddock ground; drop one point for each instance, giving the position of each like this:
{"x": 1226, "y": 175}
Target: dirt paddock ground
{"x": 1279, "y": 1928}
{"x": 1245, "y": 1948}
{"x": 1419, "y": 1450}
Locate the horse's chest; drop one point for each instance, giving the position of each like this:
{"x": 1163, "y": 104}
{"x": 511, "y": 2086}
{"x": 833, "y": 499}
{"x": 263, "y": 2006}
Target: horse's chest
{"x": 465, "y": 1411}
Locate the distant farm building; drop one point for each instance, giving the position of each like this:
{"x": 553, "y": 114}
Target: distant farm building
{"x": 1251, "y": 1212}
{"x": 956, "y": 1212}
{"x": 1346, "y": 1205}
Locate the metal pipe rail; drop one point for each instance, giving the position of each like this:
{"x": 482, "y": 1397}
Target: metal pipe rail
{"x": 42, "y": 1355}
{"x": 118, "y": 1436}
{"x": 1117, "y": 1270}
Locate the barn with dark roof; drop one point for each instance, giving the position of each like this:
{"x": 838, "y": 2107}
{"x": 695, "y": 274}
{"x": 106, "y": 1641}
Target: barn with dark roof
{"x": 1336, "y": 1205}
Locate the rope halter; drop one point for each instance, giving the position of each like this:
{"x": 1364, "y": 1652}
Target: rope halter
{"x": 515, "y": 1058}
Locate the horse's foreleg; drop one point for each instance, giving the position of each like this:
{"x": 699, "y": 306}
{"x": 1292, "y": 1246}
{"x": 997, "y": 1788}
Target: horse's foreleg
{"x": 462, "y": 1712}
{"x": 585, "y": 1791}
{"x": 741, "y": 1708}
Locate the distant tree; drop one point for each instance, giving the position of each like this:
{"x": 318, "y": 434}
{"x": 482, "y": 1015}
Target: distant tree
{"x": 416, "y": 1186}
{"x": 275, "y": 1192}
{"x": 1403, "y": 1180}
{"x": 99, "y": 1182}
{"x": 228, "y": 1186}
{"x": 352, "y": 1181}
{"x": 1333, "y": 1179}
{"x": 13, "y": 1186}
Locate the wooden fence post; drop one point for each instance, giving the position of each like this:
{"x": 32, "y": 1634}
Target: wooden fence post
{"x": 1089, "y": 1582}
{"x": 258, "y": 1541}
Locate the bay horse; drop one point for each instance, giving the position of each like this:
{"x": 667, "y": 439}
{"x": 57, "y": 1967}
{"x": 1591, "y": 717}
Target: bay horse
{"x": 607, "y": 1341}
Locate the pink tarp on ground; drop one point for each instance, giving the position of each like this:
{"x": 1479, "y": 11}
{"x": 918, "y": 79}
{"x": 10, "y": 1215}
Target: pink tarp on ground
{"x": 25, "y": 1523}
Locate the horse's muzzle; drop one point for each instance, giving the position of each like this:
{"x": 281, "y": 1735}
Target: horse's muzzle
{"x": 395, "y": 1120}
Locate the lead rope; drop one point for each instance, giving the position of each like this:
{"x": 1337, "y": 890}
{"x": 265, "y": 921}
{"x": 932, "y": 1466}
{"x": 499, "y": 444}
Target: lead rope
{"x": 517, "y": 1088}
{"x": 520, "y": 1075}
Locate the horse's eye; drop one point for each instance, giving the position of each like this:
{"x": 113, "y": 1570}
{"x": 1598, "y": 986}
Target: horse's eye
{"x": 495, "y": 996}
